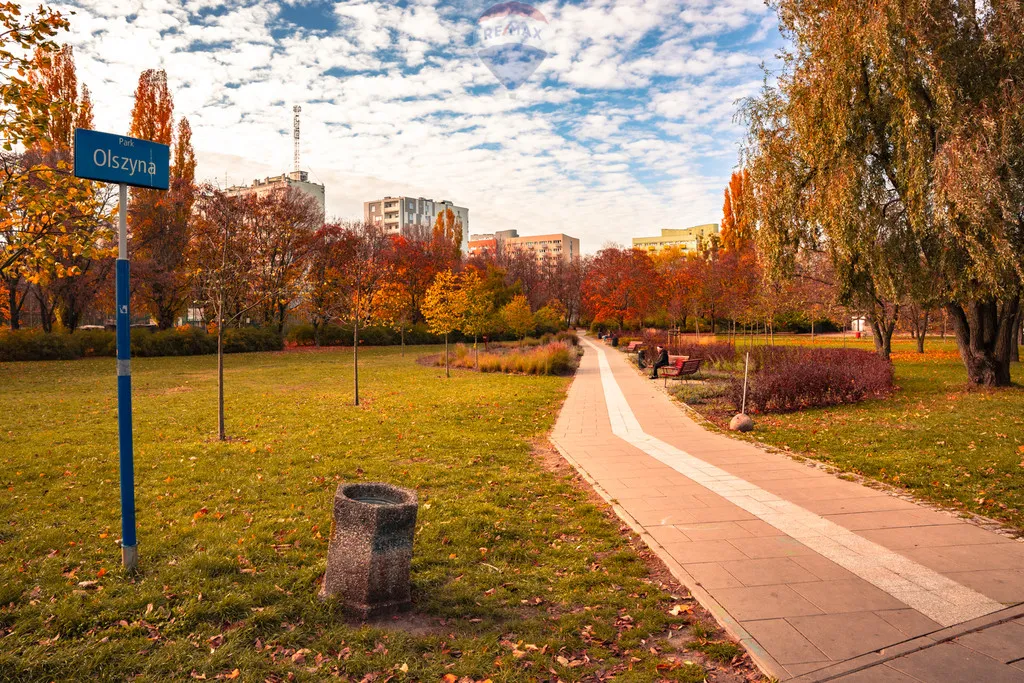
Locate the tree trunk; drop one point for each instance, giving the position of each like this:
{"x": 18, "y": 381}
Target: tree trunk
{"x": 1015, "y": 339}
{"x": 476, "y": 351}
{"x": 921, "y": 332}
{"x": 401, "y": 330}
{"x": 165, "y": 316}
{"x": 355, "y": 354}
{"x": 984, "y": 335}
{"x": 282, "y": 313}
{"x": 45, "y": 309}
{"x": 447, "y": 371}
{"x": 221, "y": 432}
{"x": 14, "y": 304}
{"x": 882, "y": 332}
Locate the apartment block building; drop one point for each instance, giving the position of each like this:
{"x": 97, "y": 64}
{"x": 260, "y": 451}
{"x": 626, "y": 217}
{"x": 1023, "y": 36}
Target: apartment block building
{"x": 413, "y": 217}
{"x": 686, "y": 239}
{"x": 543, "y": 247}
{"x": 296, "y": 179}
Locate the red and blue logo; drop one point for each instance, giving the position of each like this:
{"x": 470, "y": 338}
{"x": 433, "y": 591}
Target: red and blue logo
{"x": 510, "y": 41}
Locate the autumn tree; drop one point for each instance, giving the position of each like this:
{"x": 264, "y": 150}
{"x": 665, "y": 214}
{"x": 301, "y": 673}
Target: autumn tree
{"x": 681, "y": 273}
{"x": 68, "y": 283}
{"x": 47, "y": 212}
{"x": 565, "y": 278}
{"x": 444, "y": 306}
{"x": 283, "y": 224}
{"x": 892, "y": 142}
{"x": 391, "y": 307}
{"x": 158, "y": 220}
{"x": 360, "y": 278}
{"x": 415, "y": 263}
{"x": 447, "y": 234}
{"x": 550, "y": 317}
{"x": 23, "y": 104}
{"x": 222, "y": 272}
{"x": 621, "y": 286}
{"x": 476, "y": 317}
{"x": 736, "y": 232}
{"x": 331, "y": 248}
{"x": 518, "y": 317}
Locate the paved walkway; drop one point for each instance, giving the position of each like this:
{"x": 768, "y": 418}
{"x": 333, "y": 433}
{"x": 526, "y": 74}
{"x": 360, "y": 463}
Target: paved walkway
{"x": 818, "y": 577}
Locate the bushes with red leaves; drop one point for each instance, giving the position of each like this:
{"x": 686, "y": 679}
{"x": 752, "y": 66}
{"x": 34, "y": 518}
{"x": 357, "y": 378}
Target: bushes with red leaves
{"x": 711, "y": 352}
{"x": 792, "y": 378}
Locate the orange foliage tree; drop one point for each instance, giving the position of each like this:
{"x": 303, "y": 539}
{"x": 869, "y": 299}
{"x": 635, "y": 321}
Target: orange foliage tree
{"x": 621, "y": 286}
{"x": 160, "y": 221}
{"x": 69, "y": 282}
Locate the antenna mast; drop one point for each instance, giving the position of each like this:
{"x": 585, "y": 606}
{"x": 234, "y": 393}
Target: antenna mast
{"x": 295, "y": 134}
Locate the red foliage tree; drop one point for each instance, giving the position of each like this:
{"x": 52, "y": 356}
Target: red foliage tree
{"x": 621, "y": 286}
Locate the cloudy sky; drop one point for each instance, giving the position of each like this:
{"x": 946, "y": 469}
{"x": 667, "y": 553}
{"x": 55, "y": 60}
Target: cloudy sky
{"x": 628, "y": 125}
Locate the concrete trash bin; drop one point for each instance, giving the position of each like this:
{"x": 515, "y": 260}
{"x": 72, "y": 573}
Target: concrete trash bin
{"x": 370, "y": 548}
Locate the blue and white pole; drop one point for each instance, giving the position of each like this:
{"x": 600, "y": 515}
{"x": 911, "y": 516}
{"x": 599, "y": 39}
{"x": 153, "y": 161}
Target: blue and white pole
{"x": 129, "y": 544}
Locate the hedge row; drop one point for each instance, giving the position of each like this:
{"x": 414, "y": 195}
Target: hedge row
{"x": 792, "y": 378}
{"x": 27, "y": 345}
{"x": 334, "y": 335}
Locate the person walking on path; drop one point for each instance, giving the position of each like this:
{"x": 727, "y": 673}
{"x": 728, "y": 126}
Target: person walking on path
{"x": 660, "y": 361}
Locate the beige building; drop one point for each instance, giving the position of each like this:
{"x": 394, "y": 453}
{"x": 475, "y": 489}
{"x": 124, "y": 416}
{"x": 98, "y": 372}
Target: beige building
{"x": 413, "y": 217}
{"x": 686, "y": 239}
{"x": 543, "y": 247}
{"x": 297, "y": 179}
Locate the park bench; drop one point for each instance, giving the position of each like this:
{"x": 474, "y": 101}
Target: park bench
{"x": 634, "y": 346}
{"x": 681, "y": 368}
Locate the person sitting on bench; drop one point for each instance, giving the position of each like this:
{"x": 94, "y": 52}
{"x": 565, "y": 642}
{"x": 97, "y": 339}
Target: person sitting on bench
{"x": 660, "y": 361}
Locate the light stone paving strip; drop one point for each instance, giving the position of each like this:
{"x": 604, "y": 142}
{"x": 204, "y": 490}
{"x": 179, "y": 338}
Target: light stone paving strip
{"x": 938, "y": 597}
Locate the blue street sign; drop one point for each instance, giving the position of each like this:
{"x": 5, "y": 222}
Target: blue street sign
{"x": 121, "y": 159}
{"x": 141, "y": 163}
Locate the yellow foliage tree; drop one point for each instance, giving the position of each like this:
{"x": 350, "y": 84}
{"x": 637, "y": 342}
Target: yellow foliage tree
{"x": 444, "y": 307}
{"x": 518, "y": 317}
{"x": 479, "y": 304}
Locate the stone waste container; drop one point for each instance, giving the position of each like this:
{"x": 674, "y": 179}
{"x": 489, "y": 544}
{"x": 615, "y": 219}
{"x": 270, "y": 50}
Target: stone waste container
{"x": 371, "y": 548}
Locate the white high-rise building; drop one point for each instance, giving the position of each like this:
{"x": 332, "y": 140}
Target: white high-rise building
{"x": 413, "y": 217}
{"x": 297, "y": 179}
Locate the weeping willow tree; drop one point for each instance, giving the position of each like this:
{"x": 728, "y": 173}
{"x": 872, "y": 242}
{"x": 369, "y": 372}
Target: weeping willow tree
{"x": 893, "y": 141}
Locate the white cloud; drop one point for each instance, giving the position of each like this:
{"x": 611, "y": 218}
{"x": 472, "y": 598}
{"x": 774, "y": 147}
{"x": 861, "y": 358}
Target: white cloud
{"x": 625, "y": 128}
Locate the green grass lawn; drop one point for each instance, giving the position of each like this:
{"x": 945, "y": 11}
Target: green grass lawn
{"x": 936, "y": 437}
{"x": 516, "y": 575}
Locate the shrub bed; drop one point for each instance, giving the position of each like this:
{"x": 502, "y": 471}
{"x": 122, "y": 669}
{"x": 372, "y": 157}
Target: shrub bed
{"x": 554, "y": 358}
{"x": 29, "y": 345}
{"x": 785, "y": 379}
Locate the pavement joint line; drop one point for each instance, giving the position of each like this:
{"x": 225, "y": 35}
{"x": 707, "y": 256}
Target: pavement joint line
{"x": 940, "y": 598}
{"x": 923, "y": 642}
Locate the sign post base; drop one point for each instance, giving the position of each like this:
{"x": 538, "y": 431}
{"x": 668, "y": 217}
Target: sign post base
{"x": 130, "y": 557}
